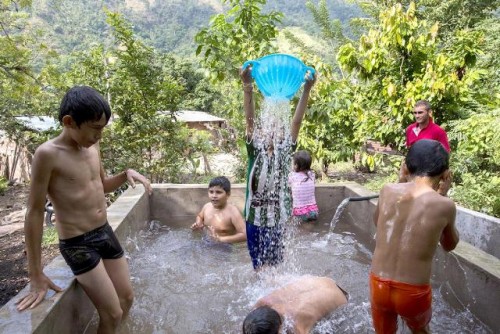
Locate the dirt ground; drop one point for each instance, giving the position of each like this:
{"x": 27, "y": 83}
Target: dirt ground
{"x": 13, "y": 261}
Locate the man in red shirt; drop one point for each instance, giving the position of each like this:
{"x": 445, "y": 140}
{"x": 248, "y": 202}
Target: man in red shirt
{"x": 423, "y": 128}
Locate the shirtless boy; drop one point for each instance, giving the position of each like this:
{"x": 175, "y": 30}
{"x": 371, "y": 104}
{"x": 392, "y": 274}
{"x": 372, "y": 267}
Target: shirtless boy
{"x": 304, "y": 301}
{"x": 411, "y": 219}
{"x": 224, "y": 221}
{"x": 68, "y": 169}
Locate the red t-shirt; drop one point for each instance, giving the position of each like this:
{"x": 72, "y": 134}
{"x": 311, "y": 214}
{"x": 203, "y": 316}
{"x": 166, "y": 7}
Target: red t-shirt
{"x": 431, "y": 131}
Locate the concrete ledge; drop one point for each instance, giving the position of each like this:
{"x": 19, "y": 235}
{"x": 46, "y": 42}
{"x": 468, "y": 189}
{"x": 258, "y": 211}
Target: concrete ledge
{"x": 480, "y": 230}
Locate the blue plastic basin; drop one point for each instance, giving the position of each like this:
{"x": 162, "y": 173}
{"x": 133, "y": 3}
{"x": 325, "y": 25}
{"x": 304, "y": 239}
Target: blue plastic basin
{"x": 278, "y": 75}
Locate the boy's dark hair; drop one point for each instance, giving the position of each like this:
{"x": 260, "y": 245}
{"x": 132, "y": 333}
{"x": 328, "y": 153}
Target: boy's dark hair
{"x": 427, "y": 158}
{"x": 222, "y": 182}
{"x": 262, "y": 320}
{"x": 303, "y": 160}
{"x": 424, "y": 103}
{"x": 84, "y": 104}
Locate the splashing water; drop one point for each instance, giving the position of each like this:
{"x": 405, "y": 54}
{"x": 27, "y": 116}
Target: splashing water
{"x": 270, "y": 197}
{"x": 184, "y": 284}
{"x": 337, "y": 215}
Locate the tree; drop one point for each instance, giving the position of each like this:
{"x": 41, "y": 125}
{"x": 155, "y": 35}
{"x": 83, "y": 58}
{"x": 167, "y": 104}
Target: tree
{"x": 394, "y": 64}
{"x": 241, "y": 34}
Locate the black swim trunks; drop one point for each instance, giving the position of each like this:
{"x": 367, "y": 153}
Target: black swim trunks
{"x": 83, "y": 253}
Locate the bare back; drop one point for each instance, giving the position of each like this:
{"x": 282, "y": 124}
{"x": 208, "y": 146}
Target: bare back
{"x": 410, "y": 221}
{"x": 305, "y": 301}
{"x": 74, "y": 187}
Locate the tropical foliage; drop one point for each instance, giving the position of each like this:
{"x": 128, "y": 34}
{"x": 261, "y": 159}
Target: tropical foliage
{"x": 371, "y": 72}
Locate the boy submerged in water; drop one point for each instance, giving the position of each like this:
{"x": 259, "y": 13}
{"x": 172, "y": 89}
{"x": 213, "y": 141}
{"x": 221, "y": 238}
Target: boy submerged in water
{"x": 411, "y": 219}
{"x": 68, "y": 169}
{"x": 224, "y": 220}
{"x": 270, "y": 142}
{"x": 303, "y": 302}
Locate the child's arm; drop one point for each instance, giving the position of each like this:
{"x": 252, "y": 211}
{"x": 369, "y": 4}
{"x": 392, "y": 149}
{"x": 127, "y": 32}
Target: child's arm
{"x": 449, "y": 237}
{"x": 111, "y": 183}
{"x": 200, "y": 217}
{"x": 248, "y": 102}
{"x": 301, "y": 108}
{"x": 33, "y": 229}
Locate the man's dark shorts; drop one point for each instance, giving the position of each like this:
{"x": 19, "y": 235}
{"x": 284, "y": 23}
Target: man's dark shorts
{"x": 83, "y": 253}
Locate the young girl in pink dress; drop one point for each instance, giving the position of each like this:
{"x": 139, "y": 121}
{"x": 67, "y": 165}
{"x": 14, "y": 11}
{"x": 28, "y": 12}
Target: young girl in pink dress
{"x": 302, "y": 184}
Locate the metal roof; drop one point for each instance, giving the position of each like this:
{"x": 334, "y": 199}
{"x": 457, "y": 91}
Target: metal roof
{"x": 38, "y": 123}
{"x": 195, "y": 116}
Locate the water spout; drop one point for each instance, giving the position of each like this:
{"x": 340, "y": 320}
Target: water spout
{"x": 343, "y": 205}
{"x": 362, "y": 198}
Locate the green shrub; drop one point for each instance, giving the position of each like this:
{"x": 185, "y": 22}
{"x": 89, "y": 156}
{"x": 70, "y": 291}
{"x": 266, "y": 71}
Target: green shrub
{"x": 50, "y": 237}
{"x": 3, "y": 185}
{"x": 479, "y": 192}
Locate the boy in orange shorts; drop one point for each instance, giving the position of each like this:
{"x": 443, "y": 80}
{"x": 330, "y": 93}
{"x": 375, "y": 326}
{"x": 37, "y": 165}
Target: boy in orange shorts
{"x": 411, "y": 219}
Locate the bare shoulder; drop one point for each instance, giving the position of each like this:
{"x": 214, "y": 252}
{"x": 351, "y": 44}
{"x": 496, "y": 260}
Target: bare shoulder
{"x": 391, "y": 188}
{"x": 233, "y": 208}
{"x": 441, "y": 203}
{"x": 46, "y": 151}
{"x": 206, "y": 207}
{"x": 436, "y": 200}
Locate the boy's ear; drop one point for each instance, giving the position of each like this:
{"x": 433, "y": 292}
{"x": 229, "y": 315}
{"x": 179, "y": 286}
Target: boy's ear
{"x": 67, "y": 120}
{"x": 446, "y": 174}
{"x": 404, "y": 173}
{"x": 404, "y": 170}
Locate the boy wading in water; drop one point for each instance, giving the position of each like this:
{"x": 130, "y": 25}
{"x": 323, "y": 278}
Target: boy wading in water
{"x": 68, "y": 169}
{"x": 224, "y": 221}
{"x": 411, "y": 219}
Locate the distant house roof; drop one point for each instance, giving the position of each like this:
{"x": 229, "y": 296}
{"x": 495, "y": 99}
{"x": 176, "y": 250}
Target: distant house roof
{"x": 195, "y": 116}
{"x": 38, "y": 123}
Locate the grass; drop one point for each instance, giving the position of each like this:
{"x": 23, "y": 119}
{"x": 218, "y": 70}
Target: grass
{"x": 50, "y": 237}
{"x": 378, "y": 182}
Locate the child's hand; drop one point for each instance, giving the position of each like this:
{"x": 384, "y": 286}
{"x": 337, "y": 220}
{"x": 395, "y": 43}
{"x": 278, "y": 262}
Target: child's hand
{"x": 310, "y": 80}
{"x": 133, "y": 176}
{"x": 213, "y": 234}
{"x": 197, "y": 226}
{"x": 38, "y": 289}
{"x": 246, "y": 75}
{"x": 445, "y": 183}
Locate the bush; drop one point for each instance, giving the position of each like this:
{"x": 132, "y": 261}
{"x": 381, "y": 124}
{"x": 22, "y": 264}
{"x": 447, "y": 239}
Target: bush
{"x": 3, "y": 185}
{"x": 479, "y": 192}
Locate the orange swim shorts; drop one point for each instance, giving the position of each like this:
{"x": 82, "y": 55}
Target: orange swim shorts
{"x": 391, "y": 298}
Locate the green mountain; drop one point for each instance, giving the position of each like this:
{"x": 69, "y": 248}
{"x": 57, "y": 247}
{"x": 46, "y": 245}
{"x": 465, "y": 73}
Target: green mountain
{"x": 167, "y": 25}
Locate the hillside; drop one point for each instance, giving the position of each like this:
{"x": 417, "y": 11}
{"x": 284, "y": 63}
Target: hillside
{"x": 167, "y": 25}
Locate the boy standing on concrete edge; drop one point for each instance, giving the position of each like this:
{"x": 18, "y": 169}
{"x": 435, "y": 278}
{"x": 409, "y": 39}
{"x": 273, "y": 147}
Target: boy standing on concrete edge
{"x": 411, "y": 219}
{"x": 68, "y": 169}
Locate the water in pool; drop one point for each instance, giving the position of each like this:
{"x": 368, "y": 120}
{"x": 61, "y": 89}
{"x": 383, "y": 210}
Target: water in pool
{"x": 185, "y": 284}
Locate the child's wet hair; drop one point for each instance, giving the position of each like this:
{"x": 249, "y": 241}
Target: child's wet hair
{"x": 427, "y": 158}
{"x": 84, "y": 104}
{"x": 262, "y": 320}
{"x": 302, "y": 160}
{"x": 222, "y": 182}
